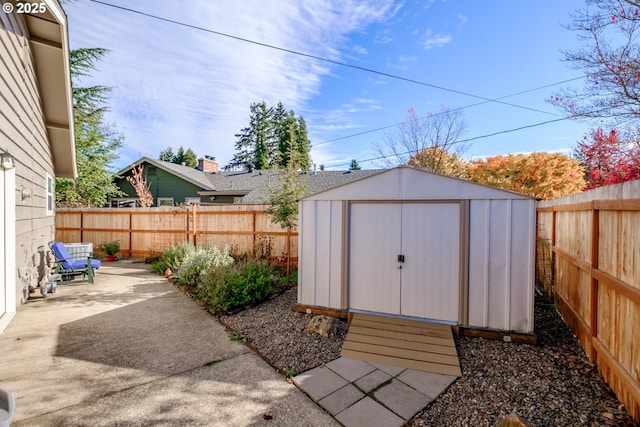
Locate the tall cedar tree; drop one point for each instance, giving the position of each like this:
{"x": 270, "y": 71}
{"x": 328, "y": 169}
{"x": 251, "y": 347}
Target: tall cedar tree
{"x": 96, "y": 141}
{"x": 273, "y": 137}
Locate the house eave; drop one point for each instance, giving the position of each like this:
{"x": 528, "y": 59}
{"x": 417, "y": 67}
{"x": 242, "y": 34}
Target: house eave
{"x": 160, "y": 164}
{"x": 48, "y": 42}
{"x": 239, "y": 193}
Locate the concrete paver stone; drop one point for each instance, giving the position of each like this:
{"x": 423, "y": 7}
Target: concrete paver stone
{"x": 340, "y": 400}
{"x": 372, "y": 380}
{"x": 426, "y": 382}
{"x": 368, "y": 413}
{"x": 319, "y": 382}
{"x": 350, "y": 369}
{"x": 401, "y": 399}
{"x": 394, "y": 371}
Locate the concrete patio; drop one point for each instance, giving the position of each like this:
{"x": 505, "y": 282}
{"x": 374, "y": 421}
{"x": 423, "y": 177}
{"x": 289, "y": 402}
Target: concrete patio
{"x": 132, "y": 350}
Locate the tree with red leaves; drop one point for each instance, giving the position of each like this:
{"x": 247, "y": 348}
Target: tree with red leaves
{"x": 608, "y": 158}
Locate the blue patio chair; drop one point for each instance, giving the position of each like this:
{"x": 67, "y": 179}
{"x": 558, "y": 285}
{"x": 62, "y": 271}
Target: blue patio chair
{"x": 70, "y": 269}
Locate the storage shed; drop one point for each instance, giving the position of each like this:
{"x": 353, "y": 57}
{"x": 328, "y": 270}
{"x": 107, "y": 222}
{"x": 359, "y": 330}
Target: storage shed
{"x": 411, "y": 243}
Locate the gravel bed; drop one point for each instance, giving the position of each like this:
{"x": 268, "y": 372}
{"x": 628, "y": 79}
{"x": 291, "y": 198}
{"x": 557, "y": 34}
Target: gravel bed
{"x": 550, "y": 384}
{"x": 276, "y": 331}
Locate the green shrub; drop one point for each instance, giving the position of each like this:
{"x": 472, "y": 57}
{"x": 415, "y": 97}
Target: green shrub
{"x": 173, "y": 257}
{"x": 245, "y": 283}
{"x": 200, "y": 262}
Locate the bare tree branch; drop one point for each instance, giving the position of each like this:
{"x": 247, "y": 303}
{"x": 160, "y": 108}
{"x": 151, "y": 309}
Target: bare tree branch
{"x": 437, "y": 134}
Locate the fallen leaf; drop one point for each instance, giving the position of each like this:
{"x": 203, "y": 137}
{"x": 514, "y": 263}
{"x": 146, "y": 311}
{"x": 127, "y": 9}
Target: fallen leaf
{"x": 266, "y": 417}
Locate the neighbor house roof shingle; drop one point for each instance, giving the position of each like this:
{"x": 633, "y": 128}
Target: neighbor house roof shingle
{"x": 254, "y": 187}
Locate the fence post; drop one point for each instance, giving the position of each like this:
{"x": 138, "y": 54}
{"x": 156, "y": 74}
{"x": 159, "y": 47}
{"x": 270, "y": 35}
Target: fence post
{"x": 193, "y": 220}
{"x": 254, "y": 232}
{"x": 81, "y": 227}
{"x": 595, "y": 243}
{"x": 186, "y": 225}
{"x": 553, "y": 248}
{"x": 130, "y": 234}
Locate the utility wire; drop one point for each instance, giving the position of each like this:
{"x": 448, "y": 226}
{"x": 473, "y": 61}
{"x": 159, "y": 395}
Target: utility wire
{"x": 319, "y": 58}
{"x": 370, "y": 70}
{"x": 457, "y": 142}
{"x": 444, "y": 112}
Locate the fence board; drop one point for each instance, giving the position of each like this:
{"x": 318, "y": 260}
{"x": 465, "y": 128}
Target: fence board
{"x": 595, "y": 238}
{"x": 145, "y": 232}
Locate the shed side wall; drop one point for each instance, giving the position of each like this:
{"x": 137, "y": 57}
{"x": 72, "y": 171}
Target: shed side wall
{"x": 320, "y": 254}
{"x": 501, "y": 237}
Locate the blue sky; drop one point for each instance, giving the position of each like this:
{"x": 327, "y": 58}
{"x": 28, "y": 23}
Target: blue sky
{"x": 180, "y": 86}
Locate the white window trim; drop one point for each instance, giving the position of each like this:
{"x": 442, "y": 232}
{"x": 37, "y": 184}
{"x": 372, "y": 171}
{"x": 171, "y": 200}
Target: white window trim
{"x": 192, "y": 200}
{"x": 50, "y": 195}
{"x": 165, "y": 199}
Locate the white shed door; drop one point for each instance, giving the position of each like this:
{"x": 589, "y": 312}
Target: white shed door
{"x": 427, "y": 283}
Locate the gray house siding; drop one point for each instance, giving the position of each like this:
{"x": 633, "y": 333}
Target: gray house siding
{"x": 24, "y": 135}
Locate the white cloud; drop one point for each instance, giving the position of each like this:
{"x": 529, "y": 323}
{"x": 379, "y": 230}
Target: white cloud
{"x": 180, "y": 86}
{"x": 463, "y": 19}
{"x": 435, "y": 40}
{"x": 360, "y": 50}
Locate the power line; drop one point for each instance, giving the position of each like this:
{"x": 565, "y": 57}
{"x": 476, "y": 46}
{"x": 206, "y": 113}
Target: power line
{"x": 444, "y": 112}
{"x": 319, "y": 58}
{"x": 457, "y": 142}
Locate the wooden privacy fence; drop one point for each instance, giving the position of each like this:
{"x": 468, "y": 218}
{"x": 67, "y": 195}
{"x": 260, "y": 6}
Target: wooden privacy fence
{"x": 146, "y": 232}
{"x": 595, "y": 243}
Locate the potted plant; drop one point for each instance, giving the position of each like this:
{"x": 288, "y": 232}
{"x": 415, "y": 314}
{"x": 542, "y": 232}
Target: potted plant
{"x": 110, "y": 250}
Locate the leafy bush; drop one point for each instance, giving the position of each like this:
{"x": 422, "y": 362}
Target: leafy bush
{"x": 173, "y": 257}
{"x": 245, "y": 283}
{"x": 200, "y": 262}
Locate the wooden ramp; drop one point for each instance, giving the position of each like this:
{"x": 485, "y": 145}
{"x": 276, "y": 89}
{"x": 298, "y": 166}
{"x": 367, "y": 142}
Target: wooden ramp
{"x": 423, "y": 346}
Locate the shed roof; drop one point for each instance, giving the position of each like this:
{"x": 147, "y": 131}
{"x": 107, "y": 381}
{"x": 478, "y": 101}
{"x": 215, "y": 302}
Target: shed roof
{"x": 408, "y": 183}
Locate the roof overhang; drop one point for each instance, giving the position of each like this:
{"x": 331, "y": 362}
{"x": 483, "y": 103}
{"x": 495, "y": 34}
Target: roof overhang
{"x": 224, "y": 193}
{"x": 49, "y": 43}
{"x": 162, "y": 165}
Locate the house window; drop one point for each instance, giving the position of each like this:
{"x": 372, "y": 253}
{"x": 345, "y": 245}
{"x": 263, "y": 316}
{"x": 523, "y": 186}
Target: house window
{"x": 192, "y": 200}
{"x": 50, "y": 194}
{"x": 125, "y": 203}
{"x": 165, "y": 201}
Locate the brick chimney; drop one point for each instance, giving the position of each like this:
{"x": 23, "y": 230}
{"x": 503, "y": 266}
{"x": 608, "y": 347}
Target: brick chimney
{"x": 208, "y": 164}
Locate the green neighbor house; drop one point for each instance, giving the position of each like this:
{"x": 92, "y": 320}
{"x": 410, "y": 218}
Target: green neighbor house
{"x": 172, "y": 184}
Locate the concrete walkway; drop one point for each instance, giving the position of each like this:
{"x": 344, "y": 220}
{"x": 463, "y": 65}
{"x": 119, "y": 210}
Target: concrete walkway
{"x": 131, "y": 350}
{"x": 363, "y": 394}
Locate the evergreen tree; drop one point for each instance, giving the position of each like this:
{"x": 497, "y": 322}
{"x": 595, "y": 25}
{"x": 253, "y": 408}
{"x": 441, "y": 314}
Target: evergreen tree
{"x": 267, "y": 141}
{"x": 167, "y": 155}
{"x": 96, "y": 141}
{"x": 188, "y": 157}
{"x": 303, "y": 145}
{"x": 354, "y": 165}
